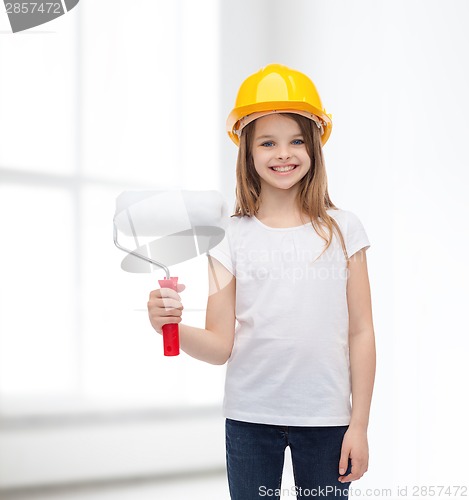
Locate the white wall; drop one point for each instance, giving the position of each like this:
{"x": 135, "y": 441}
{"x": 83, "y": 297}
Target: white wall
{"x": 394, "y": 76}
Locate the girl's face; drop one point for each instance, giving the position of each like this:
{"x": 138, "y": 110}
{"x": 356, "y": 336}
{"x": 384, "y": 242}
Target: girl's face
{"x": 279, "y": 151}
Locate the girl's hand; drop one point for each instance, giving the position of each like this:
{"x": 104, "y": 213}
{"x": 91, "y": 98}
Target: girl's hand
{"x": 355, "y": 446}
{"x": 164, "y": 306}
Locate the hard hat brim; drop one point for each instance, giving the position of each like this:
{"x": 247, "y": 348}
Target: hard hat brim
{"x": 289, "y": 106}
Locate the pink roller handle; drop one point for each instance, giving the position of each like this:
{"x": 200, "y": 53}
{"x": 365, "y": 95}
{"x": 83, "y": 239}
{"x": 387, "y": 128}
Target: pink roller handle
{"x": 171, "y": 330}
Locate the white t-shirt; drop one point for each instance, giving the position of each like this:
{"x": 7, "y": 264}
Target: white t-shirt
{"x": 290, "y": 359}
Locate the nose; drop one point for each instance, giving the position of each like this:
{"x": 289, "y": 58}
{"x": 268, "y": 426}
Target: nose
{"x": 283, "y": 152}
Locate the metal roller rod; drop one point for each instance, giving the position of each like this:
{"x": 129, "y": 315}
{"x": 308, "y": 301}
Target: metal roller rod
{"x": 140, "y": 256}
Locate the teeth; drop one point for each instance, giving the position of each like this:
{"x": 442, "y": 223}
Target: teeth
{"x": 282, "y": 169}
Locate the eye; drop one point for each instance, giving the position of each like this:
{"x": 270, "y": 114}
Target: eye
{"x": 297, "y": 142}
{"x": 267, "y": 144}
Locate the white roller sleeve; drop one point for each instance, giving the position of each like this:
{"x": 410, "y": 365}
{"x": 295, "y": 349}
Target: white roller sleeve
{"x": 159, "y": 213}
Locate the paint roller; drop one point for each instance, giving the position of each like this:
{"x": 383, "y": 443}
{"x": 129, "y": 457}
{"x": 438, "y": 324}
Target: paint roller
{"x": 187, "y": 224}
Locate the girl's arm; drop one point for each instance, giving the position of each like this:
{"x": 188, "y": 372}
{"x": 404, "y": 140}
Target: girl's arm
{"x": 212, "y": 344}
{"x": 362, "y": 367}
{"x": 361, "y": 340}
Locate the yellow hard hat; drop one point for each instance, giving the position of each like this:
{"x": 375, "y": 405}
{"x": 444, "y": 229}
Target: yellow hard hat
{"x": 277, "y": 89}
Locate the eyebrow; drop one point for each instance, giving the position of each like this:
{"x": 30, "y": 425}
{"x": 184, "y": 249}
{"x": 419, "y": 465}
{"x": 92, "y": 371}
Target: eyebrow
{"x": 273, "y": 137}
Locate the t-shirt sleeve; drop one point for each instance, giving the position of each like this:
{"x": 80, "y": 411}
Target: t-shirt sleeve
{"x": 222, "y": 252}
{"x": 356, "y": 235}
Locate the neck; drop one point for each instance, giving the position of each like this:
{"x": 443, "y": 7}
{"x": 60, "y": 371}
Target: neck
{"x": 280, "y": 204}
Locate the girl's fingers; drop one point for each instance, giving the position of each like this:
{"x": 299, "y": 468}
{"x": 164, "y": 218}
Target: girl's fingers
{"x": 171, "y": 305}
{"x": 166, "y": 293}
{"x": 164, "y": 313}
{"x": 358, "y": 469}
{"x": 165, "y": 304}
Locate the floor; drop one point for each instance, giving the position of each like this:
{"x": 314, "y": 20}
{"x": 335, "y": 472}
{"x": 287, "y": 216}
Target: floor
{"x": 208, "y": 488}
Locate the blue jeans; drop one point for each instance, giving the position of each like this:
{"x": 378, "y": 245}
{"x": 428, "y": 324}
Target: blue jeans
{"x": 255, "y": 456}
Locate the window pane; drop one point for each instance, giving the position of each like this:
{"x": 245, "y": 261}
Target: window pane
{"x": 131, "y": 97}
{"x": 150, "y": 100}
{"x": 38, "y": 350}
{"x": 38, "y": 97}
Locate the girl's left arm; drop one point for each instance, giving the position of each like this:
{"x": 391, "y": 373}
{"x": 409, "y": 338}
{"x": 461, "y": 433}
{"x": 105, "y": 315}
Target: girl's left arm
{"x": 362, "y": 368}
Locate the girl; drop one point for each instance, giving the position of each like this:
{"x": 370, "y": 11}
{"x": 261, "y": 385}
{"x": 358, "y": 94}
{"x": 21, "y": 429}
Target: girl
{"x": 292, "y": 273}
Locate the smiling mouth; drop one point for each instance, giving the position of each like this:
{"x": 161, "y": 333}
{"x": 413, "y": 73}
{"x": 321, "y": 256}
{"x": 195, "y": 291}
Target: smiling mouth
{"x": 286, "y": 168}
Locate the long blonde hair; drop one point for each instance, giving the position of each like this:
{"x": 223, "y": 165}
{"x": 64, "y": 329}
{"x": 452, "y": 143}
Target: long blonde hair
{"x": 313, "y": 197}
